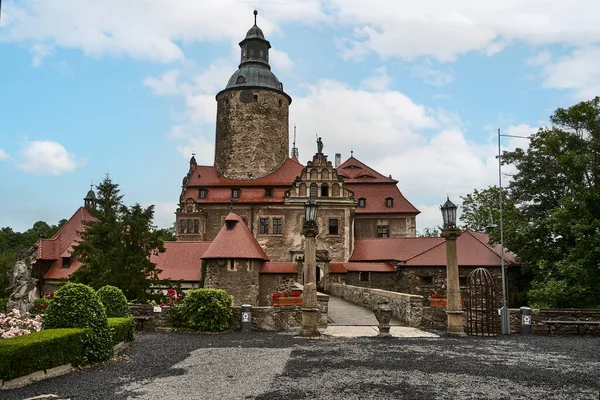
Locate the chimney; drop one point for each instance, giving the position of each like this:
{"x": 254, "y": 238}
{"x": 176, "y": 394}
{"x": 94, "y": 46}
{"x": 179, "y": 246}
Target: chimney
{"x": 338, "y": 159}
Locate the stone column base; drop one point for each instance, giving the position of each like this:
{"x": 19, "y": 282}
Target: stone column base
{"x": 309, "y": 322}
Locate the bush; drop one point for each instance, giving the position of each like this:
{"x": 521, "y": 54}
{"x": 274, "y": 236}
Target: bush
{"x": 3, "y": 303}
{"x": 122, "y": 329}
{"x": 114, "y": 302}
{"x": 14, "y": 324}
{"x": 75, "y": 305}
{"x": 206, "y": 310}
{"x": 39, "y": 306}
{"x": 24, "y": 355}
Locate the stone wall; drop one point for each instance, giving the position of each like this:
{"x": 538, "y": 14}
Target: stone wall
{"x": 242, "y": 283}
{"x": 406, "y": 308}
{"x": 398, "y": 225}
{"x": 271, "y": 283}
{"x": 252, "y": 138}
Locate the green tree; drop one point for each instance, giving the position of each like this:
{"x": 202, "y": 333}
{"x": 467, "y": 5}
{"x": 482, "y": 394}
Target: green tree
{"x": 557, "y": 191}
{"x": 429, "y": 232}
{"x": 115, "y": 248}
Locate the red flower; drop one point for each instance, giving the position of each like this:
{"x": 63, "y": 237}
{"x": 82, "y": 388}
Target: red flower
{"x": 171, "y": 292}
{"x": 169, "y": 304}
{"x": 276, "y": 295}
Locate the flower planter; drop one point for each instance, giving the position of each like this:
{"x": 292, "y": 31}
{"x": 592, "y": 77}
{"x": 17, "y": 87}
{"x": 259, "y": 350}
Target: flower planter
{"x": 287, "y": 301}
{"x": 438, "y": 302}
{"x": 441, "y": 302}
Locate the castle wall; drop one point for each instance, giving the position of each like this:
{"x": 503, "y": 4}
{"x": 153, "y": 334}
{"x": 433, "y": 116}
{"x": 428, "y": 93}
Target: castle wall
{"x": 241, "y": 281}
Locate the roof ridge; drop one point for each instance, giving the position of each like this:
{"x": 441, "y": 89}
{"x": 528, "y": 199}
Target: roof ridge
{"x": 486, "y": 245}
{"x": 443, "y": 242}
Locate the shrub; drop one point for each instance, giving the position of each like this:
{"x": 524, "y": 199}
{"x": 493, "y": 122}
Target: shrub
{"x": 3, "y": 303}
{"x": 122, "y": 329}
{"x": 114, "y": 302}
{"x": 75, "y": 305}
{"x": 23, "y": 355}
{"x": 206, "y": 310}
{"x": 14, "y": 324}
{"x": 39, "y": 306}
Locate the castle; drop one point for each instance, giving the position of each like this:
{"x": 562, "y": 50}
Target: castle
{"x": 241, "y": 219}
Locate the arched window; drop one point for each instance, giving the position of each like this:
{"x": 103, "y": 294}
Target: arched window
{"x": 314, "y": 174}
{"x": 302, "y": 190}
{"x": 335, "y": 190}
{"x": 324, "y": 190}
{"x": 324, "y": 174}
{"x": 314, "y": 190}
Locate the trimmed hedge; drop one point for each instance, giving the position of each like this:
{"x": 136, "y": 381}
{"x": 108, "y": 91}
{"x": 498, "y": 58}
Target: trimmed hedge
{"x": 23, "y": 355}
{"x": 75, "y": 305}
{"x": 114, "y": 302}
{"x": 122, "y": 329}
{"x": 207, "y": 310}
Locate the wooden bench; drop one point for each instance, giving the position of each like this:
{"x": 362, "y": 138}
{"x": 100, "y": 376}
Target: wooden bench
{"x": 582, "y": 319}
{"x": 139, "y": 321}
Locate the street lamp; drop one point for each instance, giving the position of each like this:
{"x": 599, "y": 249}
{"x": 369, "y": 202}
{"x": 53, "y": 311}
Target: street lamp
{"x": 454, "y": 307}
{"x": 309, "y": 301}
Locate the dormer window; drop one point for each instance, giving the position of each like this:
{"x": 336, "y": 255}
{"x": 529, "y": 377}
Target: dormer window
{"x": 66, "y": 262}
{"x": 389, "y": 202}
{"x": 362, "y": 203}
{"x": 235, "y": 193}
{"x": 269, "y": 192}
{"x": 202, "y": 193}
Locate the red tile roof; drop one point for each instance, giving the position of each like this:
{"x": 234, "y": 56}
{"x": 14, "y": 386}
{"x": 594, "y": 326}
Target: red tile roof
{"x": 207, "y": 176}
{"x": 354, "y": 171}
{"x": 279, "y": 268}
{"x": 376, "y": 195}
{"x": 235, "y": 242}
{"x": 360, "y": 267}
{"x": 392, "y": 249}
{"x": 430, "y": 251}
{"x": 181, "y": 260}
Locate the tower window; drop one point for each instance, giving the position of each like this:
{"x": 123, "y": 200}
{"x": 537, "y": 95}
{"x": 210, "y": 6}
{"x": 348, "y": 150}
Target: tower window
{"x": 277, "y": 226}
{"x": 389, "y": 202}
{"x": 333, "y": 226}
{"x": 235, "y": 193}
{"x": 383, "y": 231}
{"x": 263, "y": 227}
{"x": 256, "y": 98}
{"x": 324, "y": 190}
{"x": 280, "y": 103}
{"x": 269, "y": 192}
{"x": 202, "y": 193}
{"x": 240, "y": 79}
{"x": 362, "y": 203}
{"x": 232, "y": 264}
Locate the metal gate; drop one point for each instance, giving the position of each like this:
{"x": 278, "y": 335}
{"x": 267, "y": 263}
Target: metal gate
{"x": 482, "y": 313}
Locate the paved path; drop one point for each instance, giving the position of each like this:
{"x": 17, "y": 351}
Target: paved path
{"x": 351, "y": 321}
{"x": 270, "y": 365}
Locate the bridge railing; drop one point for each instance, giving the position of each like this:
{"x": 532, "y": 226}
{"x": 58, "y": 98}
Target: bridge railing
{"x": 407, "y": 308}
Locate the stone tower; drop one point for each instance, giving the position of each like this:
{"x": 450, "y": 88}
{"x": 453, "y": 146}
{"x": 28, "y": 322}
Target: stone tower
{"x": 252, "y": 115}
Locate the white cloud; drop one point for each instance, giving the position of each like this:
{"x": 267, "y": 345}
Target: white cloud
{"x": 431, "y": 75}
{"x": 39, "y": 52}
{"x": 578, "y": 72}
{"x": 379, "y": 81}
{"x": 540, "y": 59}
{"x": 165, "y": 85}
{"x": 3, "y": 155}
{"x": 280, "y": 61}
{"x": 47, "y": 158}
{"x": 164, "y": 214}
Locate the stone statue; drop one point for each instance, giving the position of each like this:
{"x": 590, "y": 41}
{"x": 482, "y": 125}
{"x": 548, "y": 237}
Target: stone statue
{"x": 23, "y": 285}
{"x": 319, "y": 145}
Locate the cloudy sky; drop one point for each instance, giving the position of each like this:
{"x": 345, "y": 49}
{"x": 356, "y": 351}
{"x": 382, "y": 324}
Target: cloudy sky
{"x": 416, "y": 89}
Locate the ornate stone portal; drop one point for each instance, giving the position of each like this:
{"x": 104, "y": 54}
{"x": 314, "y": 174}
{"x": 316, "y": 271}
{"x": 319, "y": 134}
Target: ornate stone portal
{"x": 23, "y": 285}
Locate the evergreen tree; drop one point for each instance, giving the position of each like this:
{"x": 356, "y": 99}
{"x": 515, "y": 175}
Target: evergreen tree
{"x": 115, "y": 247}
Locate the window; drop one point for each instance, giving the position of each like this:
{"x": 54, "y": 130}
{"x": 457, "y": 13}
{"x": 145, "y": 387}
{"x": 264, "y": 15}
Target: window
{"x": 324, "y": 190}
{"x": 389, "y": 202}
{"x": 333, "y": 226}
{"x": 189, "y": 226}
{"x": 362, "y": 203}
{"x": 189, "y": 208}
{"x": 382, "y": 232}
{"x": 196, "y": 225}
{"x": 313, "y": 190}
{"x": 263, "y": 227}
{"x": 182, "y": 226}
{"x": 277, "y": 226}
{"x": 426, "y": 280}
{"x": 269, "y": 192}
{"x": 202, "y": 193}
{"x": 235, "y": 193}
{"x": 255, "y": 98}
{"x": 66, "y": 262}
{"x": 232, "y": 264}
{"x": 363, "y": 276}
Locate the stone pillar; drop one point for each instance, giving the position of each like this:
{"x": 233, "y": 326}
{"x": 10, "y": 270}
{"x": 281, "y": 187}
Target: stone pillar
{"x": 454, "y": 308}
{"x": 309, "y": 302}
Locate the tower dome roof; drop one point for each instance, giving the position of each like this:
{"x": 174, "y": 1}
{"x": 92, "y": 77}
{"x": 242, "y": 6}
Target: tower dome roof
{"x": 90, "y": 195}
{"x": 254, "y": 75}
{"x": 255, "y": 32}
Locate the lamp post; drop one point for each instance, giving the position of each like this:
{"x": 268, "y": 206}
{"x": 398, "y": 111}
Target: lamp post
{"x": 450, "y": 232}
{"x": 309, "y": 301}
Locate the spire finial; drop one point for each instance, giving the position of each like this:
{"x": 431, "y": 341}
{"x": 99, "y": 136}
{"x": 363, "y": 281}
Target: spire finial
{"x": 351, "y": 153}
{"x": 255, "y": 14}
{"x": 193, "y": 153}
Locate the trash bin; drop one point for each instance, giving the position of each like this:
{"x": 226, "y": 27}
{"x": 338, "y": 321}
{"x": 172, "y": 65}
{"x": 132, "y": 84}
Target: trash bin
{"x": 246, "y": 322}
{"x": 526, "y": 320}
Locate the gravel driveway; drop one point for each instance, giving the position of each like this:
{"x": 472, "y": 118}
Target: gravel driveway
{"x": 263, "y": 365}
